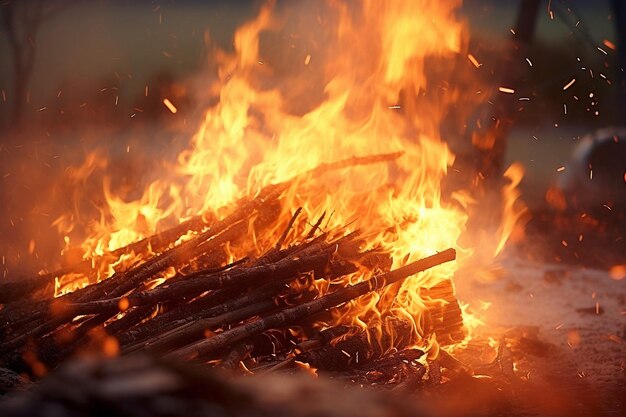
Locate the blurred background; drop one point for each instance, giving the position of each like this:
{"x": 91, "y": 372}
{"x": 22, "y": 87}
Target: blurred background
{"x": 79, "y": 76}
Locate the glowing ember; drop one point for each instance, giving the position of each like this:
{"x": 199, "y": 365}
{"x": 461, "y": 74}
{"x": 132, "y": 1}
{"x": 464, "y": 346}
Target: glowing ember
{"x": 169, "y": 105}
{"x": 473, "y": 60}
{"x": 609, "y": 44}
{"x": 618, "y": 272}
{"x": 569, "y": 84}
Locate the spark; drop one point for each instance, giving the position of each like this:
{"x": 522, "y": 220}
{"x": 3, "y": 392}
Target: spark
{"x": 396, "y": 106}
{"x": 609, "y": 44}
{"x": 565, "y": 108}
{"x": 474, "y": 61}
{"x": 602, "y": 50}
{"x": 170, "y": 106}
{"x": 506, "y": 90}
{"x": 560, "y": 169}
{"x": 529, "y": 63}
{"x": 569, "y": 84}
{"x": 307, "y": 59}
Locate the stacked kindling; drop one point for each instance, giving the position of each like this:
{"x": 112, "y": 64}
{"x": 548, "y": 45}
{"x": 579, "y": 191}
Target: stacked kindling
{"x": 256, "y": 312}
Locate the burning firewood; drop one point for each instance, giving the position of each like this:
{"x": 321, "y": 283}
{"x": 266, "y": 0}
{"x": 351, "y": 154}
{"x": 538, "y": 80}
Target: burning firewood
{"x": 234, "y": 311}
{"x": 293, "y": 314}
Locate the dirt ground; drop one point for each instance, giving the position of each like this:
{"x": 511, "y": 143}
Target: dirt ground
{"x": 568, "y": 326}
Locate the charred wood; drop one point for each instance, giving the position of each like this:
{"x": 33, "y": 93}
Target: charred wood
{"x": 293, "y": 314}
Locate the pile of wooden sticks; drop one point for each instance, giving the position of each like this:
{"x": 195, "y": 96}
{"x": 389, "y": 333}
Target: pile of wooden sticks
{"x": 255, "y": 312}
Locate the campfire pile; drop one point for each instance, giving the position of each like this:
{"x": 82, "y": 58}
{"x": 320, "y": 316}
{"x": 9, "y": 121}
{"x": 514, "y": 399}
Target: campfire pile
{"x": 257, "y": 313}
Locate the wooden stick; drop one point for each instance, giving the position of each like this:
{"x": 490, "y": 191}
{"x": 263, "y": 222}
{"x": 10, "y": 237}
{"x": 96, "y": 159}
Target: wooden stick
{"x": 238, "y": 354}
{"x": 293, "y": 314}
{"x": 197, "y": 328}
{"x": 282, "y": 238}
{"x": 316, "y": 226}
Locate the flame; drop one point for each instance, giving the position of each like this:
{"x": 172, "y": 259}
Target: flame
{"x": 372, "y": 83}
{"x": 512, "y": 214}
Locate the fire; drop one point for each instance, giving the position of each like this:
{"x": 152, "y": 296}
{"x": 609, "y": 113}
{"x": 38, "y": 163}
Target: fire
{"x": 511, "y": 213}
{"x": 372, "y": 81}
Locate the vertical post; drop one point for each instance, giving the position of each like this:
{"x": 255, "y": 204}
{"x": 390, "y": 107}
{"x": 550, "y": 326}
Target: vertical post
{"x": 619, "y": 8}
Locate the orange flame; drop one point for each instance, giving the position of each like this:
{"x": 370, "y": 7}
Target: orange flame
{"x": 371, "y": 100}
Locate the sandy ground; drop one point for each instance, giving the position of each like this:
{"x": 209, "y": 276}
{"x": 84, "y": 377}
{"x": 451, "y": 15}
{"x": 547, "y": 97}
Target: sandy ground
{"x": 573, "y": 324}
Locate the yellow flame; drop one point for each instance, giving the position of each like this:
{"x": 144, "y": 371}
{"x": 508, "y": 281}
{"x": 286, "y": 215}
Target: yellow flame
{"x": 372, "y": 69}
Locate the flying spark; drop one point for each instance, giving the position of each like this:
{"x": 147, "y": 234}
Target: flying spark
{"x": 609, "y": 44}
{"x": 170, "y": 106}
{"x": 569, "y": 84}
{"x": 474, "y": 61}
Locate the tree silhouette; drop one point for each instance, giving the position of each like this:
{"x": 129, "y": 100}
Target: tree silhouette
{"x": 21, "y": 21}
